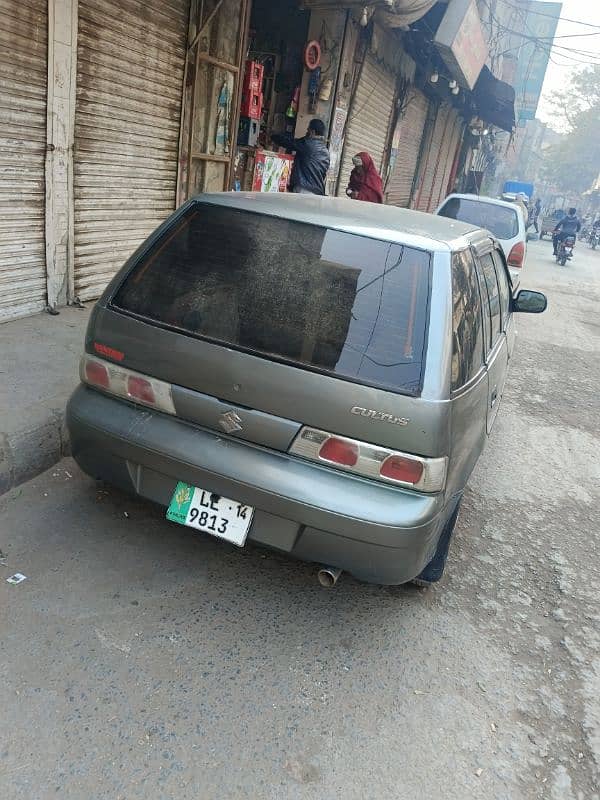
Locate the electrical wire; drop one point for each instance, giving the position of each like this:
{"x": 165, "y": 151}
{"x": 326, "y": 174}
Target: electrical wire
{"x": 587, "y": 57}
{"x": 550, "y": 16}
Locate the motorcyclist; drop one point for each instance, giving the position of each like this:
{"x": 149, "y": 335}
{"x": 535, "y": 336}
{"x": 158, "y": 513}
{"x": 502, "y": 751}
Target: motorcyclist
{"x": 568, "y": 226}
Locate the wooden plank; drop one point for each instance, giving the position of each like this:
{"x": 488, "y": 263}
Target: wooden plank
{"x": 209, "y": 157}
{"x": 208, "y": 59}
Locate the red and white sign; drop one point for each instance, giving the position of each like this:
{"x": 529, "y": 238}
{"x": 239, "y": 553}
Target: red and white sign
{"x": 461, "y": 42}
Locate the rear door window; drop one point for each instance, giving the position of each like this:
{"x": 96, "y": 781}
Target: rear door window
{"x": 467, "y": 322}
{"x": 493, "y": 293}
{"x": 500, "y": 220}
{"x": 318, "y": 298}
{"x": 504, "y": 287}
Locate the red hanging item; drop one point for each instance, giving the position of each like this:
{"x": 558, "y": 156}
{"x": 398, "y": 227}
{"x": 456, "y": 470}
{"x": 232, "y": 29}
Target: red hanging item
{"x": 312, "y": 55}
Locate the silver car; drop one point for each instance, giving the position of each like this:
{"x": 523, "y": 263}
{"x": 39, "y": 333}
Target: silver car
{"x": 314, "y": 375}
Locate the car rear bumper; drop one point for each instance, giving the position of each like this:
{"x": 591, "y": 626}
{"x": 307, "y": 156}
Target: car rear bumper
{"x": 378, "y": 533}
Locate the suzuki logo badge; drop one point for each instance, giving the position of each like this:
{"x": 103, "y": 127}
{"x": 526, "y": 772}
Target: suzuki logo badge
{"x": 231, "y": 422}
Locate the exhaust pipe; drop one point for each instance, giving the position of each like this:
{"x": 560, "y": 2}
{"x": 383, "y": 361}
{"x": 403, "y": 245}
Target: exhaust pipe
{"x": 328, "y": 576}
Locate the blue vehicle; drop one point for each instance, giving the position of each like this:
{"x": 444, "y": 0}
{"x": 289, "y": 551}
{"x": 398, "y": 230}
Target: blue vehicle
{"x": 516, "y": 187}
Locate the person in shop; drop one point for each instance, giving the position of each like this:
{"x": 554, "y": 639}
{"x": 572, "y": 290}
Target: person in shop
{"x": 311, "y": 162}
{"x": 365, "y": 182}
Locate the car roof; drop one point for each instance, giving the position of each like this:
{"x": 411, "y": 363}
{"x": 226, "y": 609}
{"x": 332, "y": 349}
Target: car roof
{"x": 483, "y": 199}
{"x": 390, "y": 223}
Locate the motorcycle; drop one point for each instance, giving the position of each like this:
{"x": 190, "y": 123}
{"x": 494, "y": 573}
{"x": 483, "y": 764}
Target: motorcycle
{"x": 595, "y": 238}
{"x": 564, "y": 250}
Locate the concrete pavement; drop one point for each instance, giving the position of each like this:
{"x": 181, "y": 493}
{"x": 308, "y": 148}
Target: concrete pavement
{"x": 39, "y": 360}
{"x": 139, "y": 660}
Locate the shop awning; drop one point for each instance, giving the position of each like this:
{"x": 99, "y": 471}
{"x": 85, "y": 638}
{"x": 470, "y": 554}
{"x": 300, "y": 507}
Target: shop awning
{"x": 402, "y": 12}
{"x": 495, "y": 101}
{"x": 395, "y": 13}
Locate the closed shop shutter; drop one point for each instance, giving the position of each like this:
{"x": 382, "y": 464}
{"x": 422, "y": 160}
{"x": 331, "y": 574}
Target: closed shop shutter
{"x": 23, "y": 91}
{"x": 130, "y": 62}
{"x": 447, "y": 155}
{"x": 440, "y": 153}
{"x": 434, "y": 161}
{"x": 409, "y": 138}
{"x": 368, "y": 126}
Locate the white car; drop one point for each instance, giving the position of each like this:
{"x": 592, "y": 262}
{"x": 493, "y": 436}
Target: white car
{"x": 503, "y": 219}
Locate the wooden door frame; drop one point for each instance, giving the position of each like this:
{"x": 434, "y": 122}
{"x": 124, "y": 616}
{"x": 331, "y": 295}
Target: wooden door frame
{"x": 186, "y": 136}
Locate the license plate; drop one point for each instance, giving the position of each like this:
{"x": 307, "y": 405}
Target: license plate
{"x": 210, "y": 513}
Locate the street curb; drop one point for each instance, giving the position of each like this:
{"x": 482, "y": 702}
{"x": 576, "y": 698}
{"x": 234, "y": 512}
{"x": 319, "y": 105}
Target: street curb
{"x": 28, "y": 452}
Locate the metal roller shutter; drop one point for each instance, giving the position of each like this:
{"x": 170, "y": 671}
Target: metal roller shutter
{"x": 368, "y": 126}
{"x": 435, "y": 161}
{"x": 130, "y": 61}
{"x": 453, "y": 141}
{"x": 23, "y": 93}
{"x": 412, "y": 124}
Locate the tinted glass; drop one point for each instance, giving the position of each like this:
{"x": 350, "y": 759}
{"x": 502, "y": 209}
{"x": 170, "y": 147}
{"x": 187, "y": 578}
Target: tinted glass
{"x": 319, "y": 298}
{"x": 504, "y": 286}
{"x": 491, "y": 283}
{"x": 501, "y": 221}
{"x": 467, "y": 355}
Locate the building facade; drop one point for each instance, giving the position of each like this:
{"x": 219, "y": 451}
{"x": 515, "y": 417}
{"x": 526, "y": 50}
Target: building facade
{"x": 114, "y": 112}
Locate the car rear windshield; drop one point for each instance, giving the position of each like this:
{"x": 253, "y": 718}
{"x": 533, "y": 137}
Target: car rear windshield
{"x": 501, "y": 221}
{"x": 322, "y": 299}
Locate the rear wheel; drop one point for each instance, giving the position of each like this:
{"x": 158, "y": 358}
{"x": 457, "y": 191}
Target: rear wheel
{"x": 562, "y": 261}
{"x": 435, "y": 569}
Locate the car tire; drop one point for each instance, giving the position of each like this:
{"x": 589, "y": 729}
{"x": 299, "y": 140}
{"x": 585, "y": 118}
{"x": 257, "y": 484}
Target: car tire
{"x": 434, "y": 571}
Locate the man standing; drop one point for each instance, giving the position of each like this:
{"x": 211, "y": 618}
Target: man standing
{"x": 311, "y": 162}
{"x": 534, "y": 216}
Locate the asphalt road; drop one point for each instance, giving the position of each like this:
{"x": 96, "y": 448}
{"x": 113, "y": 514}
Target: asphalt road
{"x": 139, "y": 660}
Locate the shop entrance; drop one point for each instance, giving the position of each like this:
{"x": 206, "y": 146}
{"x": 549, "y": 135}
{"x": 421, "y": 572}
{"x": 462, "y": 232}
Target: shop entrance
{"x": 212, "y": 82}
{"x": 243, "y": 76}
{"x": 270, "y": 94}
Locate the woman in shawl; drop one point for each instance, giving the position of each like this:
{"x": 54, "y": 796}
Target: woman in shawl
{"x": 365, "y": 182}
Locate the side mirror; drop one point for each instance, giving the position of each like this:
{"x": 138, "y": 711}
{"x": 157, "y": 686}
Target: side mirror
{"x": 530, "y": 302}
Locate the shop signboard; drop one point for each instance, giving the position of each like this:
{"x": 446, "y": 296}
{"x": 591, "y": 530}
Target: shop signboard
{"x": 540, "y": 24}
{"x": 461, "y": 42}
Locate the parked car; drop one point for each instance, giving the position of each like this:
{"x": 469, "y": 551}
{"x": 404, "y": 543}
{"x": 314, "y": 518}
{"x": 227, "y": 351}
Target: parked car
{"x": 501, "y": 218}
{"x": 315, "y": 375}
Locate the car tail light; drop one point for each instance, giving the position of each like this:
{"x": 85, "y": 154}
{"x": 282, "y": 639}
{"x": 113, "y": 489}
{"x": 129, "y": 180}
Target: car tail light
{"x": 339, "y": 451}
{"x": 399, "y": 468}
{"x": 121, "y": 382}
{"x": 96, "y": 374}
{"x": 371, "y": 461}
{"x": 517, "y": 254}
{"x": 140, "y": 389}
